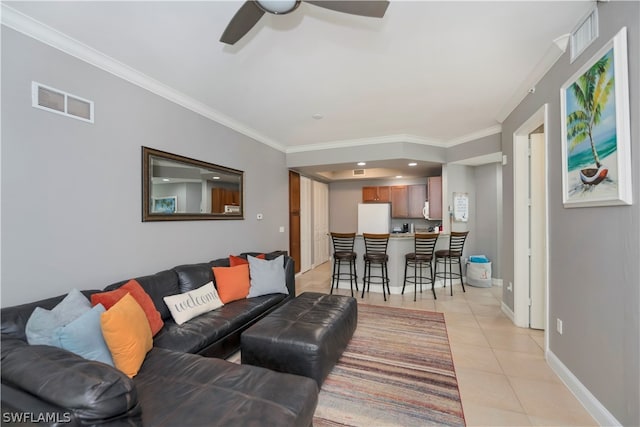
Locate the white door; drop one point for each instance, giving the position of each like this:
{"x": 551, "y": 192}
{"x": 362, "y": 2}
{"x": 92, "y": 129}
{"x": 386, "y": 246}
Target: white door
{"x": 306, "y": 230}
{"x": 537, "y": 231}
{"x": 320, "y": 223}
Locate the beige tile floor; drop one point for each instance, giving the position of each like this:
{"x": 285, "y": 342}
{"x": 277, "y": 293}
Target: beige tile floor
{"x": 503, "y": 377}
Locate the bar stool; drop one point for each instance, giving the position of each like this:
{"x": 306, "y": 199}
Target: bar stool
{"x": 376, "y": 255}
{"x": 343, "y": 251}
{"x": 451, "y": 256}
{"x": 424, "y": 245}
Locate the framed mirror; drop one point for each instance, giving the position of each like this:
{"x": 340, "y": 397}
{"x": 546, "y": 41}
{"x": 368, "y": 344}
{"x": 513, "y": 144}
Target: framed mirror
{"x": 177, "y": 188}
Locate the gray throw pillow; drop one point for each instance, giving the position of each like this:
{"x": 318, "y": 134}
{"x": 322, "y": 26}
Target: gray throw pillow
{"x": 267, "y": 276}
{"x": 42, "y": 323}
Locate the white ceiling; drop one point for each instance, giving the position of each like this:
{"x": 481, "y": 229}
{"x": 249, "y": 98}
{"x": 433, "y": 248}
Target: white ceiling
{"x": 435, "y": 71}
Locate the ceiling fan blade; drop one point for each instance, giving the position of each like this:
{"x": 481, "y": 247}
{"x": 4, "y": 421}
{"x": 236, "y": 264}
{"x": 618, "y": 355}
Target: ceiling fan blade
{"x": 373, "y": 8}
{"x": 243, "y": 21}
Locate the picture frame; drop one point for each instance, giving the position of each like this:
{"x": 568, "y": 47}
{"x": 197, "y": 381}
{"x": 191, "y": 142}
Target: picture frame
{"x": 461, "y": 207}
{"x": 596, "y": 152}
{"x": 164, "y": 205}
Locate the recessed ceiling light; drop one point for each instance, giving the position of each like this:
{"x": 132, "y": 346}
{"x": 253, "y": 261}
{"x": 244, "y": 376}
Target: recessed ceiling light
{"x": 317, "y": 116}
{"x": 398, "y": 176}
{"x": 362, "y": 163}
{"x": 216, "y": 177}
{"x": 413, "y": 164}
{"x": 165, "y": 179}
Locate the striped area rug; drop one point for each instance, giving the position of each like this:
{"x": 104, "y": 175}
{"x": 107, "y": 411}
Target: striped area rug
{"x": 396, "y": 371}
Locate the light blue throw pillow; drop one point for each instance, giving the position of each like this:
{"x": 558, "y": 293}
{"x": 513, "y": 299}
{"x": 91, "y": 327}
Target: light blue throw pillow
{"x": 83, "y": 336}
{"x": 267, "y": 276}
{"x": 41, "y": 324}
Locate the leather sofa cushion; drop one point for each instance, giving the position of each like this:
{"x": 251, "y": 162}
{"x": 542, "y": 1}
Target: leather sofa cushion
{"x": 92, "y": 391}
{"x": 206, "y": 391}
{"x": 192, "y": 276}
{"x": 199, "y": 332}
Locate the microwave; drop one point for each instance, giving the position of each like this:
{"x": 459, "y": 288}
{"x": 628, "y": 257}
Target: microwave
{"x": 231, "y": 209}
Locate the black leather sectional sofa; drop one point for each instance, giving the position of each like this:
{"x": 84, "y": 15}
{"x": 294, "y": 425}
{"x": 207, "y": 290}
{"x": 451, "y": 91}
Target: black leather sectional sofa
{"x": 176, "y": 385}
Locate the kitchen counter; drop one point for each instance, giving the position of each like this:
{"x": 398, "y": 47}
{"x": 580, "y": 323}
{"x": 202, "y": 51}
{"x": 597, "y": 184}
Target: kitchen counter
{"x": 410, "y": 235}
{"x": 399, "y": 245}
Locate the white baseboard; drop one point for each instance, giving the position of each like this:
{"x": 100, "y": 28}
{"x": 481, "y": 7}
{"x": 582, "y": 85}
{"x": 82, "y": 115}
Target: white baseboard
{"x": 508, "y": 312}
{"x": 584, "y": 396}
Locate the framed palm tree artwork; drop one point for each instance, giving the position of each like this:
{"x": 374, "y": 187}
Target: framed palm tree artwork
{"x": 596, "y": 154}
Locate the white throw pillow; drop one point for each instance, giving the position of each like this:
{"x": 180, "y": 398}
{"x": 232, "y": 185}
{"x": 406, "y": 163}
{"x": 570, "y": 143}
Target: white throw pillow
{"x": 190, "y": 304}
{"x": 267, "y": 276}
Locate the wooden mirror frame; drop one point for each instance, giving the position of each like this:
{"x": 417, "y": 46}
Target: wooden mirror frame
{"x": 196, "y": 168}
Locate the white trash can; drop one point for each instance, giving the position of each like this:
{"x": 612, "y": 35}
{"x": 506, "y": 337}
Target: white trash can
{"x": 479, "y": 271}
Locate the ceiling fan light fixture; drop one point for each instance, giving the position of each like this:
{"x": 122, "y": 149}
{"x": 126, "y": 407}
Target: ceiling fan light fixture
{"x": 278, "y": 7}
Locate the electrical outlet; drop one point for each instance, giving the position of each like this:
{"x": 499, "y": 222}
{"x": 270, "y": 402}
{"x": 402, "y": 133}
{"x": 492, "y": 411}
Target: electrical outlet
{"x": 559, "y": 326}
{"x": 282, "y": 228}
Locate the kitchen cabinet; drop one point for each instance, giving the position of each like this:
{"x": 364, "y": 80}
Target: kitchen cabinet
{"x": 399, "y": 201}
{"x": 374, "y": 194}
{"x": 407, "y": 201}
{"x": 434, "y": 194}
{"x": 417, "y": 197}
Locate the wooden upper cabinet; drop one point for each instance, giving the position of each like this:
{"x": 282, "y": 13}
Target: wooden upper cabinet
{"x": 399, "y": 201}
{"x": 434, "y": 184}
{"x": 417, "y": 197}
{"x": 375, "y": 194}
{"x": 407, "y": 201}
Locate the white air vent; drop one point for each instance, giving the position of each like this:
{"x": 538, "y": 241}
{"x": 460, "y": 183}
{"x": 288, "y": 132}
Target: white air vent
{"x": 60, "y": 102}
{"x": 584, "y": 34}
{"x": 358, "y": 172}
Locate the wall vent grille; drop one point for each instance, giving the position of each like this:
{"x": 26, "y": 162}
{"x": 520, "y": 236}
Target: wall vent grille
{"x": 584, "y": 34}
{"x": 358, "y": 172}
{"x": 60, "y": 102}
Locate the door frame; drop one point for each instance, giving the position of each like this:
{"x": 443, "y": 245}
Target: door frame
{"x": 521, "y": 220}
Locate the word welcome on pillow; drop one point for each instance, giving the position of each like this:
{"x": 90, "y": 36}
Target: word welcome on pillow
{"x": 267, "y": 276}
{"x": 190, "y": 304}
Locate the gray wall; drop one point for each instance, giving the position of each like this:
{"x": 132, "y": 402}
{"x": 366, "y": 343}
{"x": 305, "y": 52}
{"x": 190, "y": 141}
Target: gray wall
{"x": 71, "y": 191}
{"x": 478, "y": 147}
{"x": 461, "y": 179}
{"x": 595, "y": 292}
{"x": 488, "y": 213}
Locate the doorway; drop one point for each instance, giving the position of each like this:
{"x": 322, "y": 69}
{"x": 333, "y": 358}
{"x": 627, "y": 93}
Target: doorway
{"x": 530, "y": 285}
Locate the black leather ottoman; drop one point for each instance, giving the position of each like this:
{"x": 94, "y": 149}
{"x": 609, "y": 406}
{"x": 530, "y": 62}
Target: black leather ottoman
{"x": 306, "y": 336}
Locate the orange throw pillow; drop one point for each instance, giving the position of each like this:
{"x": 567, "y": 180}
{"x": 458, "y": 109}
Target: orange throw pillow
{"x": 127, "y": 334}
{"x": 238, "y": 260}
{"x": 232, "y": 282}
{"x": 108, "y": 299}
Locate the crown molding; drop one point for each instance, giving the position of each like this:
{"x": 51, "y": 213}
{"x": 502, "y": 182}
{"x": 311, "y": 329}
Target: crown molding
{"x": 348, "y": 143}
{"x": 475, "y": 135}
{"x": 30, "y": 27}
{"x": 37, "y": 30}
{"x": 554, "y": 52}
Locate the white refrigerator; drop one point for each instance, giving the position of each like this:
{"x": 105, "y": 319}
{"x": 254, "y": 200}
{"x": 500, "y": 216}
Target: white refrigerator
{"x": 374, "y": 218}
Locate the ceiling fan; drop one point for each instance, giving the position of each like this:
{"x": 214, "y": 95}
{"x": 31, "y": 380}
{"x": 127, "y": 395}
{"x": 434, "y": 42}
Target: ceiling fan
{"x": 251, "y": 12}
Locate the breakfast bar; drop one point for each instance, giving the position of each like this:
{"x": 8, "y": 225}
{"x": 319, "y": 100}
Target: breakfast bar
{"x": 399, "y": 245}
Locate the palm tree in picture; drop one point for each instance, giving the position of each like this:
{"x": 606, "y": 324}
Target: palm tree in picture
{"x": 591, "y": 92}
